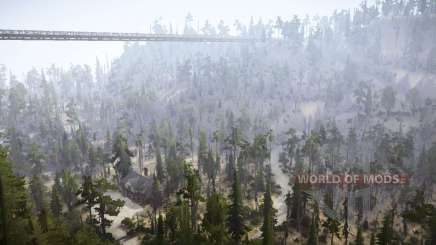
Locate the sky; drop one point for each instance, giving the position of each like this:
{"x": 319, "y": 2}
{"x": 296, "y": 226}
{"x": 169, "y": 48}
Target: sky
{"x": 126, "y": 16}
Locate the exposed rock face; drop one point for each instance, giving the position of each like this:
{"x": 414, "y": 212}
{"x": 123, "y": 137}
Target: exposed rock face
{"x": 137, "y": 187}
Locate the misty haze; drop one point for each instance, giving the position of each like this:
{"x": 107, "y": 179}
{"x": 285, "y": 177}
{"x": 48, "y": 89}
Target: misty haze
{"x": 218, "y": 122}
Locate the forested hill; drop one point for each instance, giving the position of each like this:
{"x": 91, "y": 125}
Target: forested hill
{"x": 207, "y": 137}
{"x": 322, "y": 60}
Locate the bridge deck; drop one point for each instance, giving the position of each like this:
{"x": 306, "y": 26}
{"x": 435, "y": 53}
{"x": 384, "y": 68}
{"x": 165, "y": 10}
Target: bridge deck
{"x": 28, "y": 35}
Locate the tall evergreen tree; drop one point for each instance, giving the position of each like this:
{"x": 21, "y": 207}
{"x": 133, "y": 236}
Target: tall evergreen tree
{"x": 88, "y": 196}
{"x": 214, "y": 221}
{"x": 385, "y": 235}
{"x": 297, "y": 205}
{"x": 268, "y": 217}
{"x": 202, "y": 151}
{"x": 372, "y": 239}
{"x": 157, "y": 197}
{"x": 160, "y": 234}
{"x": 259, "y": 185}
{"x": 13, "y": 205}
{"x": 69, "y": 188}
{"x": 106, "y": 206}
{"x": 121, "y": 156}
{"x": 290, "y": 145}
{"x": 431, "y": 228}
{"x": 313, "y": 239}
{"x": 359, "y": 237}
{"x": 288, "y": 202}
{"x": 235, "y": 220}
{"x": 159, "y": 165}
{"x": 37, "y": 192}
{"x": 332, "y": 226}
{"x": 210, "y": 169}
{"x": 192, "y": 192}
{"x": 316, "y": 220}
{"x": 55, "y": 201}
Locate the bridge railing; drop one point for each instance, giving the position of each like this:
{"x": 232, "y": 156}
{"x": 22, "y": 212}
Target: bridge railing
{"x": 112, "y": 36}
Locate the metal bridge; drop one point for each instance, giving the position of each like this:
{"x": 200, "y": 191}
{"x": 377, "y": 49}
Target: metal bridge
{"x": 31, "y": 35}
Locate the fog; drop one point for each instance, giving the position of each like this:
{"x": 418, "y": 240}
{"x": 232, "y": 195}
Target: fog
{"x": 125, "y": 16}
{"x": 301, "y": 123}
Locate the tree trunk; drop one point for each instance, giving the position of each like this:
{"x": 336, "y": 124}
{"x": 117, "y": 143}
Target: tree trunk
{"x": 90, "y": 215}
{"x": 194, "y": 216}
{"x": 102, "y": 222}
{"x": 4, "y": 224}
{"x": 141, "y": 158}
{"x": 154, "y": 221}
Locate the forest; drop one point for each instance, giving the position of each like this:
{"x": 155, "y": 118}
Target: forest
{"x": 178, "y": 143}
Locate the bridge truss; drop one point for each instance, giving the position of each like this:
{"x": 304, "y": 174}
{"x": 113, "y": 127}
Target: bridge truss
{"x": 31, "y": 35}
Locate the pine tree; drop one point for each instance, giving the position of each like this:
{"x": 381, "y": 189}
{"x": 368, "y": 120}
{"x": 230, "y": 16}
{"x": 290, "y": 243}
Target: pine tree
{"x": 259, "y": 149}
{"x": 69, "y": 189}
{"x": 171, "y": 223}
{"x": 140, "y": 146}
{"x": 159, "y": 165}
{"x": 351, "y": 145}
{"x": 417, "y": 209}
{"x": 328, "y": 198}
{"x": 88, "y": 196}
{"x": 107, "y": 151}
{"x": 359, "y": 237}
{"x": 332, "y": 226}
{"x": 43, "y": 220}
{"x": 259, "y": 185}
{"x": 297, "y": 204}
{"x": 4, "y": 220}
{"x": 217, "y": 138}
{"x": 316, "y": 220}
{"x": 13, "y": 205}
{"x": 86, "y": 235}
{"x": 202, "y": 151}
{"x": 313, "y": 239}
{"x": 36, "y": 158}
{"x": 233, "y": 141}
{"x": 179, "y": 222}
{"x": 157, "y": 197}
{"x": 431, "y": 228}
{"x": 93, "y": 160}
{"x": 372, "y": 239}
{"x": 121, "y": 156}
{"x": 288, "y": 202}
{"x": 55, "y": 201}
{"x": 106, "y": 206}
{"x": 235, "y": 221}
{"x": 174, "y": 164}
{"x": 210, "y": 170}
{"x": 268, "y": 217}
{"x": 291, "y": 144}
{"x": 311, "y": 149}
{"x": 345, "y": 230}
{"x": 160, "y": 235}
{"x": 385, "y": 235}
{"x": 37, "y": 191}
{"x": 36, "y": 233}
{"x": 298, "y": 161}
{"x": 192, "y": 192}
{"x": 215, "y": 218}
{"x": 101, "y": 160}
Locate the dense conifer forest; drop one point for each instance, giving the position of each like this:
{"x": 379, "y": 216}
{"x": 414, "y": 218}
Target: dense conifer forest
{"x": 200, "y": 143}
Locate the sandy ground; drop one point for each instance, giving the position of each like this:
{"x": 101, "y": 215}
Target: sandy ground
{"x": 129, "y": 210}
{"x": 282, "y": 180}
